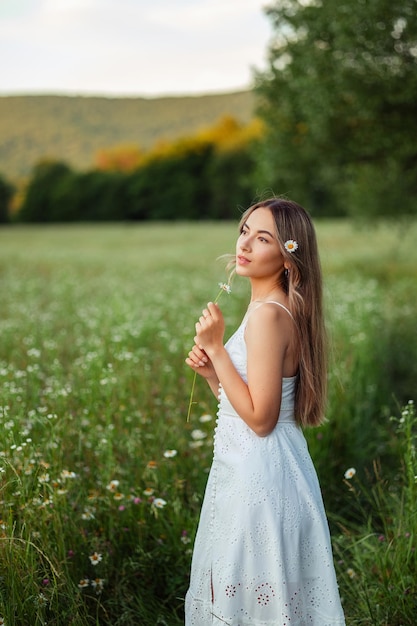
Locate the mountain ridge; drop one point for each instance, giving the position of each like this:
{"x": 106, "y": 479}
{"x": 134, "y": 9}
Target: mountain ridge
{"x": 74, "y": 128}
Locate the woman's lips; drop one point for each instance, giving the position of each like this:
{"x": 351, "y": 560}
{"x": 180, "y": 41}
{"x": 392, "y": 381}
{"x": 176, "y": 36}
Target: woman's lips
{"x": 242, "y": 260}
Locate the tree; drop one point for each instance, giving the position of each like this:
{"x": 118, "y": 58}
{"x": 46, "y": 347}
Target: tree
{"x": 6, "y": 194}
{"x": 338, "y": 101}
{"x": 39, "y": 204}
{"x": 172, "y": 185}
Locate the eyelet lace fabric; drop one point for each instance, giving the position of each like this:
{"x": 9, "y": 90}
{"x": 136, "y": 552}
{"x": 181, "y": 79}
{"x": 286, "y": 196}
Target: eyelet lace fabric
{"x": 262, "y": 554}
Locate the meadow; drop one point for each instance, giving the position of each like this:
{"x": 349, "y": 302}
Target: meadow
{"x": 101, "y": 475}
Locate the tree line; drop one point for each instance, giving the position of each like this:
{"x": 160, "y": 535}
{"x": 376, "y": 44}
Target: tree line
{"x": 205, "y": 176}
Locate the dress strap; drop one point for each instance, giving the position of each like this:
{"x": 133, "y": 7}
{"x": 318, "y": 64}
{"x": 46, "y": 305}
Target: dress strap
{"x": 278, "y": 304}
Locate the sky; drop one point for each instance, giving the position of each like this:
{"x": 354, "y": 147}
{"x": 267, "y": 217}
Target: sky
{"x": 131, "y": 47}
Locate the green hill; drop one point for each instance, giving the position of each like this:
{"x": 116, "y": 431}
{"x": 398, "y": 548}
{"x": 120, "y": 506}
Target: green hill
{"x": 74, "y": 128}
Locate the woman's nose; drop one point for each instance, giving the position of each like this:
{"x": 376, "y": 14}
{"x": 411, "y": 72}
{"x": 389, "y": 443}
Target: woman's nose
{"x": 245, "y": 244}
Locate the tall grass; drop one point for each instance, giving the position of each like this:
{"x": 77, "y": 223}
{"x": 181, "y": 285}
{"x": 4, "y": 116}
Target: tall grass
{"x": 101, "y": 475}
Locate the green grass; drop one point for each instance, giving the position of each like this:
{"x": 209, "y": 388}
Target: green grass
{"x": 95, "y": 325}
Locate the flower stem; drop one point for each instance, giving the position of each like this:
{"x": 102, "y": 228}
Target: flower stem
{"x": 191, "y": 397}
{"x": 223, "y": 287}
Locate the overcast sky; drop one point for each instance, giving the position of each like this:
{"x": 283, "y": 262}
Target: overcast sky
{"x": 131, "y": 47}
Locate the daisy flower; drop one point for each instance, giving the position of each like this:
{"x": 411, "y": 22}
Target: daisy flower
{"x": 159, "y": 503}
{"x": 169, "y": 454}
{"x": 198, "y": 434}
{"x": 88, "y": 513}
{"x": 98, "y": 584}
{"x": 95, "y": 558}
{"x": 84, "y": 582}
{"x": 224, "y": 287}
{"x": 350, "y": 473}
{"x": 291, "y": 245}
{"x": 67, "y": 474}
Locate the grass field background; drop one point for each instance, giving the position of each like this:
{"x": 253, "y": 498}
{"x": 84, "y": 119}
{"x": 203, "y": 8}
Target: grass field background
{"x": 101, "y": 475}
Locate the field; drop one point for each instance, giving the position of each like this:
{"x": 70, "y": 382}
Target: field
{"x": 102, "y": 476}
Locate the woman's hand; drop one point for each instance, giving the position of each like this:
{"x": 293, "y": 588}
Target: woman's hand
{"x": 210, "y": 329}
{"x": 200, "y": 363}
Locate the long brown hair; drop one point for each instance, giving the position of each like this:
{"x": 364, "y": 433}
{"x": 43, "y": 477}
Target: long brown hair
{"x": 303, "y": 285}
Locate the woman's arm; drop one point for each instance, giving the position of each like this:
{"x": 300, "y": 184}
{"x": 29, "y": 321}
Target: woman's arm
{"x": 267, "y": 341}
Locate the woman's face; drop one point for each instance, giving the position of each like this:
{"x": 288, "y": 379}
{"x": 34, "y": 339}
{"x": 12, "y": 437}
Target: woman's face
{"x": 258, "y": 253}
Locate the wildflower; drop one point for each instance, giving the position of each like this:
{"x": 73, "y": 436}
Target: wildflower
{"x": 45, "y": 582}
{"x": 152, "y": 465}
{"x": 169, "y": 454}
{"x": 118, "y": 496}
{"x": 148, "y": 492}
{"x": 351, "y": 573}
{"x": 291, "y": 245}
{"x": 132, "y": 498}
{"x": 159, "y": 503}
{"x": 34, "y": 352}
{"x": 44, "y": 503}
{"x": 205, "y": 418}
{"x": 98, "y": 584}
{"x": 112, "y": 486}
{"x": 88, "y": 513}
{"x": 195, "y": 444}
{"x": 184, "y": 537}
{"x": 350, "y": 473}
{"x": 84, "y": 582}
{"x": 30, "y": 468}
{"x": 41, "y": 600}
{"x": 198, "y": 434}
{"x": 224, "y": 287}
{"x": 95, "y": 558}
{"x": 66, "y": 474}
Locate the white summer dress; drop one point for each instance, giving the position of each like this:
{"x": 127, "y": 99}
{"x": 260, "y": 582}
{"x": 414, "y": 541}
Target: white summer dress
{"x": 262, "y": 554}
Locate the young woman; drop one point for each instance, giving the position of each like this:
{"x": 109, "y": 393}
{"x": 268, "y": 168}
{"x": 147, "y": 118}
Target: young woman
{"x": 262, "y": 553}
